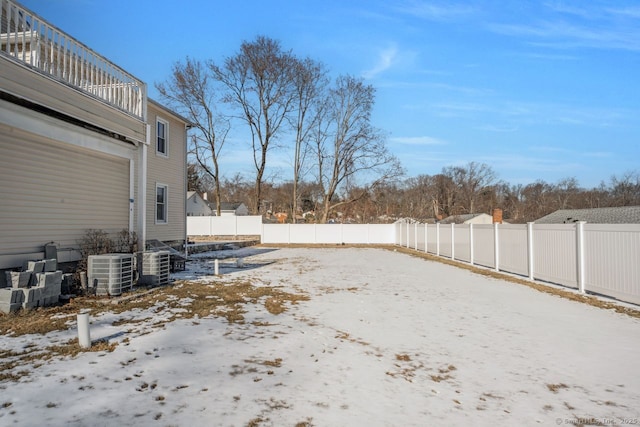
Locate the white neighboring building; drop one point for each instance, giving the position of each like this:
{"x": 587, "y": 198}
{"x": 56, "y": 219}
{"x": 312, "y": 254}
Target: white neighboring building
{"x": 196, "y": 205}
{"x": 230, "y": 209}
{"x": 477, "y": 218}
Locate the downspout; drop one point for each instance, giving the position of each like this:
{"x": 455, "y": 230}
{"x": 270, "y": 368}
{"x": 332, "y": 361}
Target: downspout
{"x": 184, "y": 199}
{"x": 142, "y": 190}
{"x": 132, "y": 204}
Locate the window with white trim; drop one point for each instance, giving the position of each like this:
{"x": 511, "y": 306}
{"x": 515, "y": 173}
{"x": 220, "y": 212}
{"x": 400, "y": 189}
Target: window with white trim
{"x": 162, "y": 137}
{"x": 161, "y": 204}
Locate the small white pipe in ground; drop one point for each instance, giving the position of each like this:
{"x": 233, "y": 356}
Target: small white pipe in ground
{"x": 84, "y": 336}
{"x": 215, "y": 267}
{"x": 83, "y": 280}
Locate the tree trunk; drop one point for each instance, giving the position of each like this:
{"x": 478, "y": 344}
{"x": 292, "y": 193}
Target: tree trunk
{"x": 325, "y": 213}
{"x": 217, "y": 197}
{"x": 294, "y": 204}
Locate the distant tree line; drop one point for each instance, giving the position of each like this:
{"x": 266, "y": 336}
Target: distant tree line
{"x": 457, "y": 190}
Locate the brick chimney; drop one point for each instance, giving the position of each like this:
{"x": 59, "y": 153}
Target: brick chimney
{"x": 497, "y": 216}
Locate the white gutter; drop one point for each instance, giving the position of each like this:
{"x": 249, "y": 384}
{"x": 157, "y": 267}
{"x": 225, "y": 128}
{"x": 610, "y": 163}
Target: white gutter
{"x": 132, "y": 194}
{"x": 186, "y": 150}
{"x": 142, "y": 192}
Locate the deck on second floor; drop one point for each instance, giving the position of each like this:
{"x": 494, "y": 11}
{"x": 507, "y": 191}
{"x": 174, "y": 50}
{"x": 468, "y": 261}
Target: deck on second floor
{"x": 40, "y": 56}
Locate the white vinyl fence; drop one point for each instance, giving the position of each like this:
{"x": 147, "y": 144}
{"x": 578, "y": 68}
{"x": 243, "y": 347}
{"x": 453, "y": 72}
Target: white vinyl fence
{"x": 600, "y": 258}
{"x": 291, "y": 233}
{"x": 224, "y": 225}
{"x": 329, "y": 233}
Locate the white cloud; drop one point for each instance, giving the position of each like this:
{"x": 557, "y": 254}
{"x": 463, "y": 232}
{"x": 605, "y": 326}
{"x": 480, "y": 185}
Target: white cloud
{"x": 494, "y": 128}
{"x": 386, "y": 59}
{"x": 598, "y": 154}
{"x": 629, "y": 12}
{"x": 563, "y": 35}
{"x": 569, "y": 10}
{"x": 437, "y": 12}
{"x": 418, "y": 140}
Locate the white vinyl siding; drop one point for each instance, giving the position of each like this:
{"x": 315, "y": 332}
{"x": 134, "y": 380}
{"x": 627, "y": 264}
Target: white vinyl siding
{"x": 162, "y": 137}
{"x": 169, "y": 171}
{"x": 53, "y": 191}
{"x": 162, "y": 198}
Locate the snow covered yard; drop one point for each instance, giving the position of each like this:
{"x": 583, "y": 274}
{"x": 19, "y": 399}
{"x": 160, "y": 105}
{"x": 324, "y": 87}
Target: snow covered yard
{"x": 336, "y": 337}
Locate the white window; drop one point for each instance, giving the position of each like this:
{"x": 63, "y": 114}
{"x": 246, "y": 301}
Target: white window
{"x": 161, "y": 204}
{"x": 162, "y": 140}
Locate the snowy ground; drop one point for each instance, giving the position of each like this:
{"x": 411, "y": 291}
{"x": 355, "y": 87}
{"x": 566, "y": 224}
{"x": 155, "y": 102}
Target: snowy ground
{"x": 385, "y": 339}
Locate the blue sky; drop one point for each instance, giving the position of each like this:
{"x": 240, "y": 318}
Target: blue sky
{"x": 536, "y": 89}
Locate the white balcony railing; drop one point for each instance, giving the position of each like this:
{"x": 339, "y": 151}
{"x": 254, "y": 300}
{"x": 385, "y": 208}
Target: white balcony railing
{"x": 30, "y": 40}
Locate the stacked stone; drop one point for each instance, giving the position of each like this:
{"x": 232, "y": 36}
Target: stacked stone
{"x": 38, "y": 285}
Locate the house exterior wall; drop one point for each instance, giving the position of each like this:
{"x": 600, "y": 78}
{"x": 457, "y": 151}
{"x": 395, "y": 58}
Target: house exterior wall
{"x": 58, "y": 180}
{"x": 77, "y": 147}
{"x": 167, "y": 170}
{"x": 230, "y": 209}
{"x": 196, "y": 206}
{"x": 242, "y": 210}
{"x": 480, "y": 219}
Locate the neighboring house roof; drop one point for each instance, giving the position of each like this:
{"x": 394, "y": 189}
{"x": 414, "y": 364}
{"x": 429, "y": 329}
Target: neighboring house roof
{"x": 618, "y": 215}
{"x": 226, "y": 206}
{"x": 464, "y": 219}
{"x": 191, "y": 194}
{"x": 170, "y": 111}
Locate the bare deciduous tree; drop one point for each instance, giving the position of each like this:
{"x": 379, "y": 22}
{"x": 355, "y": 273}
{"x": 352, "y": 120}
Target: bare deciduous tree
{"x": 445, "y": 196}
{"x": 191, "y": 91}
{"x": 470, "y": 179}
{"x": 536, "y": 198}
{"x": 625, "y": 190}
{"x": 512, "y": 201}
{"x": 348, "y": 147}
{"x": 565, "y": 190}
{"x": 197, "y": 179}
{"x": 260, "y": 84}
{"x": 310, "y": 81}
